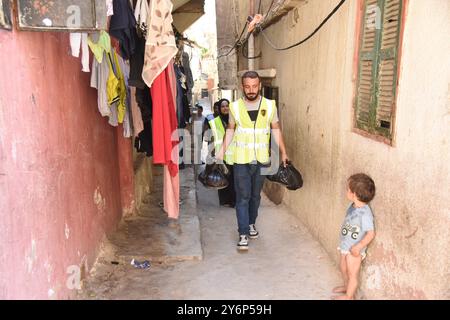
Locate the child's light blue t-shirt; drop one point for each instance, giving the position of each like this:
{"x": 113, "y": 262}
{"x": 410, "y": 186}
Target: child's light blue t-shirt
{"x": 356, "y": 224}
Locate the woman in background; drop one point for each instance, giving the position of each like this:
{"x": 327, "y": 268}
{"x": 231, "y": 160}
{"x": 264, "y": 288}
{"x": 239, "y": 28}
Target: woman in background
{"x": 227, "y": 196}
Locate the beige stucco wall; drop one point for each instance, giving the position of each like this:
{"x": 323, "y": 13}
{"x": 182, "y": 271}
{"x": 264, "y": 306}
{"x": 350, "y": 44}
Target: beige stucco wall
{"x": 228, "y": 27}
{"x": 143, "y": 179}
{"x": 410, "y": 255}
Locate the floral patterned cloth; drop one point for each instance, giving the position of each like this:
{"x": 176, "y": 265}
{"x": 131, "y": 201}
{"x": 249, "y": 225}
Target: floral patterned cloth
{"x": 160, "y": 45}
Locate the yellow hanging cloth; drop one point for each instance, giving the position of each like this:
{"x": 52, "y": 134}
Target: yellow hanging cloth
{"x": 115, "y": 87}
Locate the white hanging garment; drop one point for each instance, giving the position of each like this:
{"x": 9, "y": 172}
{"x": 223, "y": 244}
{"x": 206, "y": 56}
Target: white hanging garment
{"x": 77, "y": 40}
{"x": 109, "y": 8}
{"x": 141, "y": 13}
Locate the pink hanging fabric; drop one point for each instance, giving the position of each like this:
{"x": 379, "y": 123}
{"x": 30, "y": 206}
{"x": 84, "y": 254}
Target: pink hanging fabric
{"x": 171, "y": 194}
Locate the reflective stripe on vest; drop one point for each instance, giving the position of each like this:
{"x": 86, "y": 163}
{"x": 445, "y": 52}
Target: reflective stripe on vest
{"x": 252, "y": 139}
{"x": 251, "y": 130}
{"x": 219, "y": 133}
{"x": 252, "y": 145}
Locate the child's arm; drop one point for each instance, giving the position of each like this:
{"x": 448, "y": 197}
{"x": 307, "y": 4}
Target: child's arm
{"x": 356, "y": 249}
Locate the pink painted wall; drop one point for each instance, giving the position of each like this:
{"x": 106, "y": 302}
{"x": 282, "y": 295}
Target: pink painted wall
{"x": 60, "y": 184}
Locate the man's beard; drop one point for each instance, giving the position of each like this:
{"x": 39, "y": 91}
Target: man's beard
{"x": 251, "y": 98}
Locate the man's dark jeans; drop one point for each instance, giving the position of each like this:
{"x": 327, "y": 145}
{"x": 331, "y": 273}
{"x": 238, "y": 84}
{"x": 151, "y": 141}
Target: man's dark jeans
{"x": 248, "y": 183}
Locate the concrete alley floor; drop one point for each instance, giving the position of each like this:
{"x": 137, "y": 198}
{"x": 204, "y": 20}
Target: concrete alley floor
{"x": 284, "y": 263}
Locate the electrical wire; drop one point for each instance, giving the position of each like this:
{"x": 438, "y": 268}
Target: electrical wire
{"x": 246, "y": 55}
{"x": 239, "y": 41}
{"x": 270, "y": 8}
{"x": 236, "y": 44}
{"x": 308, "y": 37}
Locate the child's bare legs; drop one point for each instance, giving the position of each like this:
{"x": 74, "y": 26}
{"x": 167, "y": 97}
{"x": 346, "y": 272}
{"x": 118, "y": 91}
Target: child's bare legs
{"x": 343, "y": 267}
{"x": 353, "y": 266}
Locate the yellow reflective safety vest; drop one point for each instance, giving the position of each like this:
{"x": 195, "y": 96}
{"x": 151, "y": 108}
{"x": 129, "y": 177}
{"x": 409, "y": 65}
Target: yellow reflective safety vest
{"x": 218, "y": 130}
{"x": 251, "y": 139}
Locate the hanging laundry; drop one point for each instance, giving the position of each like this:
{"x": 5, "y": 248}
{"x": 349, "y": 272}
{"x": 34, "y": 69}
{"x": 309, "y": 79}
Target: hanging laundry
{"x": 173, "y": 82}
{"x": 77, "y": 40}
{"x": 137, "y": 58}
{"x": 179, "y": 97}
{"x": 116, "y": 87}
{"x": 160, "y": 45}
{"x": 165, "y": 137}
{"x": 127, "y": 125}
{"x": 144, "y": 141}
{"x": 141, "y": 14}
{"x": 99, "y": 43}
{"x": 109, "y": 8}
{"x": 136, "y": 115}
{"x": 137, "y": 64}
{"x": 145, "y": 104}
{"x": 123, "y": 27}
{"x": 189, "y": 77}
{"x": 171, "y": 193}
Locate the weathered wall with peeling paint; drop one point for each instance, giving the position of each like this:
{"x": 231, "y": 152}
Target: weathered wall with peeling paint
{"x": 143, "y": 179}
{"x": 66, "y": 176}
{"x": 229, "y": 30}
{"x": 410, "y": 256}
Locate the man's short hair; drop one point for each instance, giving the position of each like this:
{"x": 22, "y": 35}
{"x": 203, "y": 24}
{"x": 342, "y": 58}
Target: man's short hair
{"x": 362, "y": 186}
{"x": 200, "y": 107}
{"x": 251, "y": 75}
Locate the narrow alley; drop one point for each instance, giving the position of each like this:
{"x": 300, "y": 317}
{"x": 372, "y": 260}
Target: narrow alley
{"x": 285, "y": 263}
{"x": 225, "y": 150}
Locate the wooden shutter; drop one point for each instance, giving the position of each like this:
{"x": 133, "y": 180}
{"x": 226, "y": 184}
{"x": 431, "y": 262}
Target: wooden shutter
{"x": 367, "y": 66}
{"x": 388, "y": 57}
{"x": 377, "y": 77}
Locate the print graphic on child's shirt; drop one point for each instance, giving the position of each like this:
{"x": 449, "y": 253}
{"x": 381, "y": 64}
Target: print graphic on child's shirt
{"x": 354, "y": 230}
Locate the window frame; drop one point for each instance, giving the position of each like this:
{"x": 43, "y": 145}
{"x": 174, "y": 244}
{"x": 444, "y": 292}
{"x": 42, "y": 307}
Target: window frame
{"x": 98, "y": 12}
{"x": 5, "y": 15}
{"x": 374, "y": 133}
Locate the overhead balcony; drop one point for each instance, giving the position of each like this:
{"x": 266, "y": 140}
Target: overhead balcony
{"x": 186, "y": 12}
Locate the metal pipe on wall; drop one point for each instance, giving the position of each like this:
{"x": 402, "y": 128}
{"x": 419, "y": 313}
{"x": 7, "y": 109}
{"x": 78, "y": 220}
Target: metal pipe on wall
{"x": 251, "y": 40}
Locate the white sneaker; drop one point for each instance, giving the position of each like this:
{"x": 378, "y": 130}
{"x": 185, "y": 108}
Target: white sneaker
{"x": 243, "y": 242}
{"x": 253, "y": 233}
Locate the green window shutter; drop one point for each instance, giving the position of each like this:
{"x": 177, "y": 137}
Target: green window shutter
{"x": 377, "y": 77}
{"x": 365, "y": 102}
{"x": 388, "y": 59}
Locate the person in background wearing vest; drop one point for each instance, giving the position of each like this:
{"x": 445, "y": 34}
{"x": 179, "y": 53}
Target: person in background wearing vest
{"x": 247, "y": 142}
{"x": 227, "y": 196}
{"x": 211, "y": 116}
{"x": 206, "y": 125}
